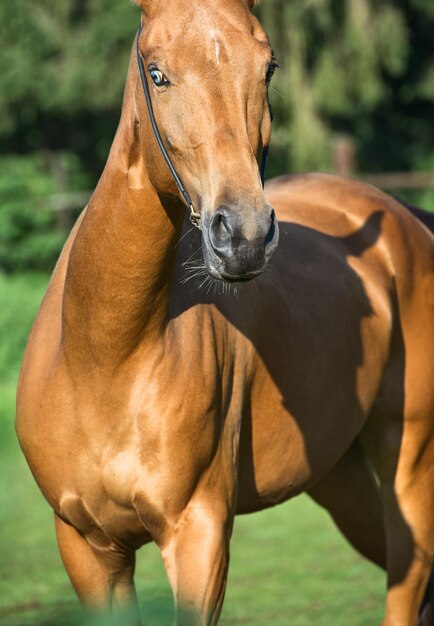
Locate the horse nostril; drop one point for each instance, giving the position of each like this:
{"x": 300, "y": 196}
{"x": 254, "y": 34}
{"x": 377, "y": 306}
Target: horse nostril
{"x": 269, "y": 238}
{"x": 218, "y": 222}
{"x": 221, "y": 230}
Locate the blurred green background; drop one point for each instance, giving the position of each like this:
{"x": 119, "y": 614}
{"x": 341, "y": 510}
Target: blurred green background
{"x": 355, "y": 94}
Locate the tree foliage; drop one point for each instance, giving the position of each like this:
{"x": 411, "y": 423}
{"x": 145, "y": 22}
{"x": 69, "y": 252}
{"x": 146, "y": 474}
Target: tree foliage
{"x": 362, "y": 67}
{"x": 28, "y": 237}
{"x": 62, "y": 57}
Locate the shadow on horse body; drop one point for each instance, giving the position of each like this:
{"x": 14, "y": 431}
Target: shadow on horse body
{"x": 153, "y": 407}
{"x": 311, "y": 362}
{"x": 284, "y": 443}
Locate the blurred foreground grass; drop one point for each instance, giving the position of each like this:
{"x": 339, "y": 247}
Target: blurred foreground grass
{"x": 289, "y": 564}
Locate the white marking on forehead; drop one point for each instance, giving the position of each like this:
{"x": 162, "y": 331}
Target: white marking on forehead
{"x": 213, "y": 36}
{"x": 208, "y": 22}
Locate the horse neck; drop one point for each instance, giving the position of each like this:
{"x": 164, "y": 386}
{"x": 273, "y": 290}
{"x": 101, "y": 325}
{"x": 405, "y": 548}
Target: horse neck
{"x": 121, "y": 265}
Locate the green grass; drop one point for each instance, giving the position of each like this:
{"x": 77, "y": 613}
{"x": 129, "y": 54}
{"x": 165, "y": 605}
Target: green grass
{"x": 288, "y": 565}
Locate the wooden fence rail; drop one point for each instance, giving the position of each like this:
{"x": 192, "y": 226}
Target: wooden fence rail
{"x": 399, "y": 181}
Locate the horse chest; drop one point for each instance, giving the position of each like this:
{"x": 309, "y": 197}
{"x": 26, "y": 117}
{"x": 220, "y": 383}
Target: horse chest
{"x": 128, "y": 453}
{"x": 141, "y": 468}
{"x": 125, "y": 495}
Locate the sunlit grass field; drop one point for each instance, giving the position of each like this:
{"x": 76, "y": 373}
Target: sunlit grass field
{"x": 288, "y": 565}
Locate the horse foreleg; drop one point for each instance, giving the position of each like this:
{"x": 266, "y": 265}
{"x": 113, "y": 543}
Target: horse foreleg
{"x": 196, "y": 556}
{"x": 103, "y": 583}
{"x": 350, "y": 494}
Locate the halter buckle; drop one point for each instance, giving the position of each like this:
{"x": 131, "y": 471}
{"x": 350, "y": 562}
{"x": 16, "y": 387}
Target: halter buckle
{"x": 195, "y": 218}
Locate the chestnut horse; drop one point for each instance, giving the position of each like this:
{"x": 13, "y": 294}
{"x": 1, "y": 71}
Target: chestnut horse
{"x": 152, "y": 407}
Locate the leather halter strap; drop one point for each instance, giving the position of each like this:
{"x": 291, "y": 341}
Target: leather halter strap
{"x": 195, "y": 216}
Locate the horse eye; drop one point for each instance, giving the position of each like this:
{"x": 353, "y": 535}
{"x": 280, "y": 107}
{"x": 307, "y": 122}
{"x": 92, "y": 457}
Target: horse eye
{"x": 158, "y": 78}
{"x": 271, "y": 70}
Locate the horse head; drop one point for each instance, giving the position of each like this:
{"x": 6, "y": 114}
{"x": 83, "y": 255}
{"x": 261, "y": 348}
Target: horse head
{"x": 207, "y": 66}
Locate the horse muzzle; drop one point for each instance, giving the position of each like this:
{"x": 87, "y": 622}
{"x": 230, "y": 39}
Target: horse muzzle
{"x": 237, "y": 247}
